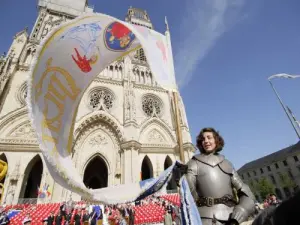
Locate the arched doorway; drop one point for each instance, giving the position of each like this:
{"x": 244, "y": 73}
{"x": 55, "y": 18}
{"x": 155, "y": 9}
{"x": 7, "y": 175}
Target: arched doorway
{"x": 32, "y": 178}
{"x": 147, "y": 169}
{"x": 96, "y": 173}
{"x": 172, "y": 183}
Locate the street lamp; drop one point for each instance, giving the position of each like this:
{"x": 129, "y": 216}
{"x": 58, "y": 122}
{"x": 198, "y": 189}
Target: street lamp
{"x": 279, "y": 99}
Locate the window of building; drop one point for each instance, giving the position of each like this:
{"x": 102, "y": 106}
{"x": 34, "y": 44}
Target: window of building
{"x": 296, "y": 158}
{"x": 261, "y": 170}
{"x": 101, "y": 98}
{"x": 254, "y": 173}
{"x": 151, "y": 104}
{"x": 281, "y": 176}
{"x": 140, "y": 55}
{"x": 273, "y": 179}
{"x": 242, "y": 176}
{"x": 248, "y": 174}
{"x": 276, "y": 166}
{"x": 290, "y": 174}
{"x": 287, "y": 192}
{"x": 278, "y": 193}
{"x": 285, "y": 163}
{"x": 269, "y": 168}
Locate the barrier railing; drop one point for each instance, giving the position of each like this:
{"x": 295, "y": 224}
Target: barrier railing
{"x": 27, "y": 200}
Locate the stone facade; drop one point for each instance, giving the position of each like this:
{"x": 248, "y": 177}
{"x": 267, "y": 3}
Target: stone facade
{"x": 281, "y": 169}
{"x": 124, "y": 119}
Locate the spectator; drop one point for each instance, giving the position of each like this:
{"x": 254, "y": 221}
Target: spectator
{"x": 93, "y": 217}
{"x": 26, "y": 221}
{"x": 77, "y": 218}
{"x": 58, "y": 219}
{"x": 68, "y": 218}
{"x": 131, "y": 215}
{"x": 4, "y": 220}
{"x": 45, "y": 221}
{"x": 273, "y": 200}
{"x": 50, "y": 219}
{"x": 85, "y": 218}
{"x": 63, "y": 209}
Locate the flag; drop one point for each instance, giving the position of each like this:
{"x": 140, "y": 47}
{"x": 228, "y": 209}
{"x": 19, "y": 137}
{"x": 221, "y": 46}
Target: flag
{"x": 66, "y": 62}
{"x": 292, "y": 114}
{"x": 284, "y": 75}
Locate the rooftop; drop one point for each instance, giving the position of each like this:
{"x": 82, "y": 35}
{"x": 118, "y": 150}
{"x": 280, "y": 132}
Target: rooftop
{"x": 272, "y": 158}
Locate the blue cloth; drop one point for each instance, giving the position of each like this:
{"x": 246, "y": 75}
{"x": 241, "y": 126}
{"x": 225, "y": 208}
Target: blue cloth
{"x": 13, "y": 213}
{"x": 189, "y": 210}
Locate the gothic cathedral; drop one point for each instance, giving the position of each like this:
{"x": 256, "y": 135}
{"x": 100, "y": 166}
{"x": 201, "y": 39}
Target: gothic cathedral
{"x": 125, "y": 127}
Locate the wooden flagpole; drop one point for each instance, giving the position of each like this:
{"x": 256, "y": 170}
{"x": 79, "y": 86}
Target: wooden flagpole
{"x": 178, "y": 127}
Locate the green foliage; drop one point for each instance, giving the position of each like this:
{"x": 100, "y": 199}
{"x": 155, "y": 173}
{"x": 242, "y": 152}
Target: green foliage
{"x": 286, "y": 181}
{"x": 264, "y": 187}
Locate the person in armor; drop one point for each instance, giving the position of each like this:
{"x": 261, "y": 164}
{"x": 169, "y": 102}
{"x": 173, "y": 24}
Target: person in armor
{"x": 215, "y": 184}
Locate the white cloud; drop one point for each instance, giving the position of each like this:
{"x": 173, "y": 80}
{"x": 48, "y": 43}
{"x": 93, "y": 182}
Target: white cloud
{"x": 203, "y": 23}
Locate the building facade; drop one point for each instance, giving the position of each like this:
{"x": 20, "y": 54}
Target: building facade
{"x": 281, "y": 169}
{"x": 125, "y": 127}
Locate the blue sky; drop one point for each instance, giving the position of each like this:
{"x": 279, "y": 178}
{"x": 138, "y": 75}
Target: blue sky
{"x": 224, "y": 53}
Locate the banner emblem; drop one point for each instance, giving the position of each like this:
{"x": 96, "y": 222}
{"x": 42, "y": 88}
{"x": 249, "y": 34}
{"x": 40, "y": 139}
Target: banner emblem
{"x": 118, "y": 37}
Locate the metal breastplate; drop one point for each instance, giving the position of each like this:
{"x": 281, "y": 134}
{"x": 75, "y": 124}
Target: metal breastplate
{"x": 213, "y": 182}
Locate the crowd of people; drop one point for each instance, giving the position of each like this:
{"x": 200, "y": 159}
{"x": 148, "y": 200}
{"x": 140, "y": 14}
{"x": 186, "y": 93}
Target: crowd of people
{"x": 88, "y": 214}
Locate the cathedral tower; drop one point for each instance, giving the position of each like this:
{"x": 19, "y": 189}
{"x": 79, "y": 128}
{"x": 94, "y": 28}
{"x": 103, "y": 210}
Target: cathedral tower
{"x": 125, "y": 126}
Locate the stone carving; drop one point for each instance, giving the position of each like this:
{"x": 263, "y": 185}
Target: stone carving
{"x": 24, "y": 131}
{"x": 99, "y": 140}
{"x": 10, "y": 194}
{"x": 20, "y": 40}
{"x": 155, "y": 136}
{"x": 130, "y": 107}
{"x": 50, "y": 24}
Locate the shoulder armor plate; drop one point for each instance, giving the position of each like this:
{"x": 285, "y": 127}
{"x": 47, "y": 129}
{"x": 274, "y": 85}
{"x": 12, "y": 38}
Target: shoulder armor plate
{"x": 226, "y": 167}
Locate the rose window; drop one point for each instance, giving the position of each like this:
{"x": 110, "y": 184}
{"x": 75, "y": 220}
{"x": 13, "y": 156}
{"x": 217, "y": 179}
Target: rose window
{"x": 100, "y": 99}
{"x": 151, "y": 105}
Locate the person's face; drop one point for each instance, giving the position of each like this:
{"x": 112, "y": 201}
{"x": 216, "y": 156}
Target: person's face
{"x": 209, "y": 142}
{"x": 273, "y": 197}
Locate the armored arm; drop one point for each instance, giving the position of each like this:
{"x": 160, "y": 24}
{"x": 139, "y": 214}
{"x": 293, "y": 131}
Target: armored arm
{"x": 246, "y": 205}
{"x": 191, "y": 176}
{"x": 178, "y": 171}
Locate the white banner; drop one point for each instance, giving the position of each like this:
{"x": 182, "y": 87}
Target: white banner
{"x": 70, "y": 57}
{"x": 284, "y": 75}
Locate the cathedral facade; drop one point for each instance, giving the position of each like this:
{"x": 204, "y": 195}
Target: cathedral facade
{"x": 125, "y": 129}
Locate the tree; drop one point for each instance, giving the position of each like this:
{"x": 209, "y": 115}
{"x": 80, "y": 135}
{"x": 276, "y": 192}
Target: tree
{"x": 264, "y": 187}
{"x": 286, "y": 181}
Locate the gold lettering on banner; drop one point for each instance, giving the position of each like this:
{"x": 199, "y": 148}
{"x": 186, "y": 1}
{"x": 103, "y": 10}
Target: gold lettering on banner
{"x": 56, "y": 95}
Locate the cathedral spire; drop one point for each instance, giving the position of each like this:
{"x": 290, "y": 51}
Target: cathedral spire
{"x": 167, "y": 25}
{"x": 139, "y": 17}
